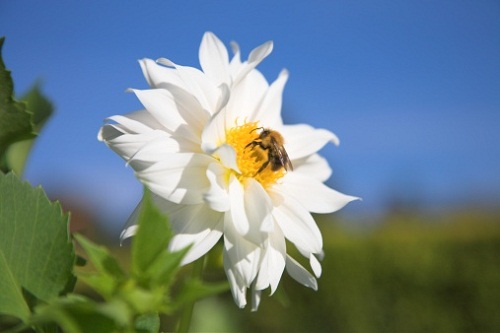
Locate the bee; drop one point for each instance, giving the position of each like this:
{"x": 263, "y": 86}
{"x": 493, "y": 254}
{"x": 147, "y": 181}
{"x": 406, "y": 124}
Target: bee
{"x": 272, "y": 142}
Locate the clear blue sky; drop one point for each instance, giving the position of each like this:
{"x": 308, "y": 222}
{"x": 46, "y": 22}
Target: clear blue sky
{"x": 412, "y": 88}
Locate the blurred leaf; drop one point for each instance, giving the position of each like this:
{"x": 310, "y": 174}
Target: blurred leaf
{"x": 152, "y": 237}
{"x": 162, "y": 271}
{"x": 34, "y": 239}
{"x": 42, "y": 109}
{"x": 11, "y": 298}
{"x": 152, "y": 263}
{"x": 148, "y": 323}
{"x": 108, "y": 273}
{"x": 194, "y": 289}
{"x": 16, "y": 122}
{"x": 37, "y": 103}
{"x": 143, "y": 300}
{"x": 77, "y": 314}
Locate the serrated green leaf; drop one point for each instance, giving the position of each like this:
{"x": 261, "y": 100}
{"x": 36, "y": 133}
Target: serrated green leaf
{"x": 152, "y": 237}
{"x": 34, "y": 239}
{"x": 16, "y": 122}
{"x": 42, "y": 109}
{"x": 11, "y": 298}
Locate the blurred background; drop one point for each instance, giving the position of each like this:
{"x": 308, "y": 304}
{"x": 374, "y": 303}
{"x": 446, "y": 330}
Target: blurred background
{"x": 412, "y": 88}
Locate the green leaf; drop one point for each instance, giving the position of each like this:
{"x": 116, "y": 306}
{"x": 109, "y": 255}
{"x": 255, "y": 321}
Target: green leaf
{"x": 11, "y": 298}
{"x": 152, "y": 237}
{"x": 39, "y": 104}
{"x": 143, "y": 300}
{"x": 148, "y": 323}
{"x": 77, "y": 314}
{"x": 108, "y": 273}
{"x": 42, "y": 109}
{"x": 16, "y": 122}
{"x": 164, "y": 269}
{"x": 34, "y": 239}
{"x": 194, "y": 289}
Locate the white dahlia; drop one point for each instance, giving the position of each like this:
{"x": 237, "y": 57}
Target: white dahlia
{"x": 200, "y": 145}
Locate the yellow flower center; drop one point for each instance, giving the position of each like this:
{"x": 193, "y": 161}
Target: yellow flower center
{"x": 251, "y": 158}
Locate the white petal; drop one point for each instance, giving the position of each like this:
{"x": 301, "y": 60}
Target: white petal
{"x": 161, "y": 105}
{"x": 137, "y": 122}
{"x": 127, "y": 145}
{"x": 197, "y": 83}
{"x": 260, "y": 53}
{"x": 142, "y": 118}
{"x": 255, "y": 299}
{"x": 238, "y": 288}
{"x": 214, "y": 59}
{"x": 315, "y": 265}
{"x": 255, "y": 58}
{"x": 303, "y": 140}
{"x": 273, "y": 261}
{"x": 217, "y": 196}
{"x": 179, "y": 177}
{"x": 235, "y": 63}
{"x": 195, "y": 225}
{"x": 314, "y": 166}
{"x": 246, "y": 96}
{"x": 156, "y": 149}
{"x": 130, "y": 227}
{"x": 227, "y": 156}
{"x": 297, "y": 224}
{"x": 269, "y": 111}
{"x": 258, "y": 208}
{"x": 159, "y": 76}
{"x": 277, "y": 258}
{"x": 237, "y": 198}
{"x": 128, "y": 232}
{"x": 242, "y": 256}
{"x": 225, "y": 93}
{"x": 189, "y": 108}
{"x": 300, "y": 274}
{"x": 318, "y": 198}
{"x": 214, "y": 132}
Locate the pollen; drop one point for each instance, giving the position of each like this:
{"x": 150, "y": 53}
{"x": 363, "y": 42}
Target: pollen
{"x": 250, "y": 159}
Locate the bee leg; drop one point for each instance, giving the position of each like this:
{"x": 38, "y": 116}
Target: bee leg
{"x": 253, "y": 144}
{"x": 264, "y": 165}
{"x": 257, "y": 143}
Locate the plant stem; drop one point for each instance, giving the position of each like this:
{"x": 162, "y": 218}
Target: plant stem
{"x": 187, "y": 313}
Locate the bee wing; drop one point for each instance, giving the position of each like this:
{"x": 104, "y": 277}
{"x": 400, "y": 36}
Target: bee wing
{"x": 283, "y": 156}
{"x": 288, "y": 163}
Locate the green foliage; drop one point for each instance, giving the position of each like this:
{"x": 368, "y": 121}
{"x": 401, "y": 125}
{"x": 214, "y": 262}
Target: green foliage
{"x": 19, "y": 121}
{"x": 36, "y": 254}
{"x": 409, "y": 275}
{"x": 42, "y": 109}
{"x": 16, "y": 122}
{"x": 132, "y": 300}
{"x": 37, "y": 258}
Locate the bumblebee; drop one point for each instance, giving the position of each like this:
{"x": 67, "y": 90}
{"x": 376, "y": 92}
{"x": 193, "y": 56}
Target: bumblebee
{"x": 272, "y": 142}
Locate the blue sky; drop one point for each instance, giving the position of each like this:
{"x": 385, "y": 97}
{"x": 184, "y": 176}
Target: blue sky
{"x": 412, "y": 88}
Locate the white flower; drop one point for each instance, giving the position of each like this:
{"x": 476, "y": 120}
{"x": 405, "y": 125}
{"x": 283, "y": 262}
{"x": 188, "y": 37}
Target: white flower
{"x": 189, "y": 146}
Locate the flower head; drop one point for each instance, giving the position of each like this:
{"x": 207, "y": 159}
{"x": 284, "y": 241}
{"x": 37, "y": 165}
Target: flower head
{"x": 212, "y": 147}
